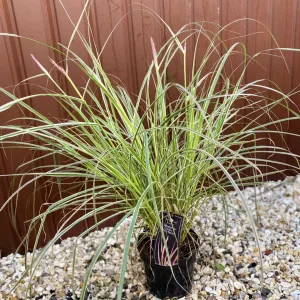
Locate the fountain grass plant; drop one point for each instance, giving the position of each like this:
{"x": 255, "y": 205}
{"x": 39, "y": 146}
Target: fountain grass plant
{"x": 141, "y": 155}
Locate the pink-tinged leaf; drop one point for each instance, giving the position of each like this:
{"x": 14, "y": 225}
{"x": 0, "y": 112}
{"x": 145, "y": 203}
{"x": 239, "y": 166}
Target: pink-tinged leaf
{"x": 58, "y": 67}
{"x": 175, "y": 251}
{"x": 163, "y": 251}
{"x": 175, "y": 260}
{"x": 172, "y": 254}
{"x": 158, "y": 254}
{"x": 39, "y": 64}
{"x": 154, "y": 51}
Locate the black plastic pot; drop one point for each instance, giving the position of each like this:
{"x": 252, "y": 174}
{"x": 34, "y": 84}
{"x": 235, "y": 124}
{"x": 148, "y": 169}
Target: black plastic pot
{"x": 161, "y": 282}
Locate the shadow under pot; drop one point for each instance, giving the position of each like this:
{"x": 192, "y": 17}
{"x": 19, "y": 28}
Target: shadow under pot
{"x": 161, "y": 281}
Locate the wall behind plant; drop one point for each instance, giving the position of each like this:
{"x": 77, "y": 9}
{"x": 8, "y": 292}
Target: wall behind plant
{"x": 127, "y": 55}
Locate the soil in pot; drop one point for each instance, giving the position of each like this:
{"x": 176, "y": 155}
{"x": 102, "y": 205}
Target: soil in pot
{"x": 161, "y": 282}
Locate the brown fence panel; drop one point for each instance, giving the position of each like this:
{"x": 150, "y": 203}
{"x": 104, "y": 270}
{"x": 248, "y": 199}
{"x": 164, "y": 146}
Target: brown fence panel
{"x": 127, "y": 55}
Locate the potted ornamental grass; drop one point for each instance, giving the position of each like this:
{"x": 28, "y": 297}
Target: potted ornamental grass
{"x": 156, "y": 156}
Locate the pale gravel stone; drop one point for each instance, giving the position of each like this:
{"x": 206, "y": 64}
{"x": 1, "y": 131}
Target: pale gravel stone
{"x": 196, "y": 277}
{"x": 285, "y": 284}
{"x": 238, "y": 285}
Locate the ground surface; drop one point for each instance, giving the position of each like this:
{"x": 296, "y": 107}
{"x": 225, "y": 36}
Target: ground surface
{"x": 228, "y": 270}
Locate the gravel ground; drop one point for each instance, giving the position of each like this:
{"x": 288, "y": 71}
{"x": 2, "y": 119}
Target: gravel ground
{"x": 226, "y": 268}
